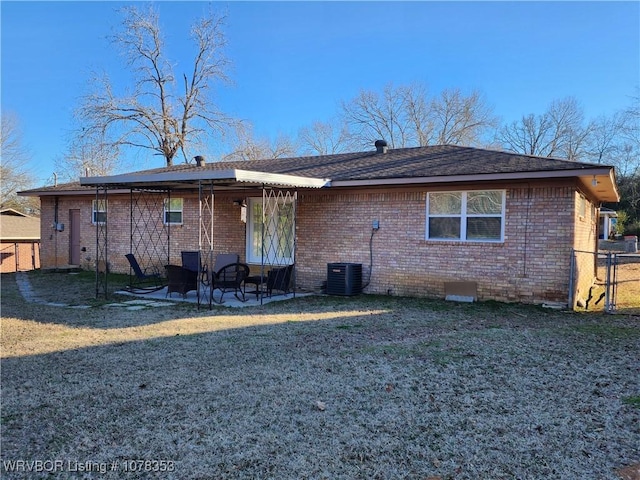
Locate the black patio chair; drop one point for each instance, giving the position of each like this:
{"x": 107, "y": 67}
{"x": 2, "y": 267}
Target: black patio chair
{"x": 207, "y": 272}
{"x": 224, "y": 259}
{"x": 181, "y": 280}
{"x": 191, "y": 260}
{"x": 280, "y": 279}
{"x": 228, "y": 278}
{"x": 144, "y": 282}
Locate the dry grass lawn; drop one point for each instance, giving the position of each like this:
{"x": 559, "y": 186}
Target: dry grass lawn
{"x": 314, "y": 388}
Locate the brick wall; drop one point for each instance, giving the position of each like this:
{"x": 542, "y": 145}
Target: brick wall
{"x": 228, "y": 233}
{"x": 532, "y": 264}
{"x": 585, "y": 240}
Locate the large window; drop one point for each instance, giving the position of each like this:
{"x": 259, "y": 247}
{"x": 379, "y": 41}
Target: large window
{"x": 173, "y": 211}
{"x": 99, "y": 211}
{"x": 275, "y": 238}
{"x": 475, "y": 216}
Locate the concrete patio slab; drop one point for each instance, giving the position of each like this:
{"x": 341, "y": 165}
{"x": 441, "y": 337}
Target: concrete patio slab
{"x": 192, "y": 297}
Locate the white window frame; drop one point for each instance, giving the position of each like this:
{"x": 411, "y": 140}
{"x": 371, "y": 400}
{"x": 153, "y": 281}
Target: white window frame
{"x": 252, "y": 225}
{"x": 96, "y": 210}
{"x": 463, "y": 216}
{"x": 166, "y": 211}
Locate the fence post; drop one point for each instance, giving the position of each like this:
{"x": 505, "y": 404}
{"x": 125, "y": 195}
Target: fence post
{"x": 614, "y": 283}
{"x": 609, "y": 286}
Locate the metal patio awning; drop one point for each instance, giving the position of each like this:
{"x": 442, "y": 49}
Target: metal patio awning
{"x": 232, "y": 178}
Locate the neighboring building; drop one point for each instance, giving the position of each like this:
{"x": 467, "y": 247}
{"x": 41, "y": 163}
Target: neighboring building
{"x": 505, "y": 222}
{"x": 607, "y": 228}
{"x": 19, "y": 241}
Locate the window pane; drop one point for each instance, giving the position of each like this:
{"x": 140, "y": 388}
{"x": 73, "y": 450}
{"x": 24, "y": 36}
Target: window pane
{"x": 489, "y": 202}
{"x": 173, "y": 210}
{"x": 444, "y": 227}
{"x": 275, "y": 238}
{"x": 483, "y": 228}
{"x": 445, "y": 203}
{"x": 99, "y": 213}
{"x": 256, "y": 240}
{"x": 173, "y": 217}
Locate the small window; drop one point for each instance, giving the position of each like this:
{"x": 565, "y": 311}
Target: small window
{"x": 582, "y": 206}
{"x": 99, "y": 212}
{"x": 173, "y": 211}
{"x": 476, "y": 216}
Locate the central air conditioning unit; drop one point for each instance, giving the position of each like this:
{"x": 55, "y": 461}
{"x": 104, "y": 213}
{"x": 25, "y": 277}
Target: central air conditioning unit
{"x": 344, "y": 279}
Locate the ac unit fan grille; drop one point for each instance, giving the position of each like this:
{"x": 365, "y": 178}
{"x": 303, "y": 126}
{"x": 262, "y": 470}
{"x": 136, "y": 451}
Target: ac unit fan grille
{"x": 344, "y": 279}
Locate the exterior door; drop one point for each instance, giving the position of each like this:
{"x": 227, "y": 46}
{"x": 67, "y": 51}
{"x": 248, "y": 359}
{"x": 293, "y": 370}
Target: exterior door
{"x": 74, "y": 237}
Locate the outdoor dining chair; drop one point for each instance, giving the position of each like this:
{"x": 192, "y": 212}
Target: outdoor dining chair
{"x": 180, "y": 280}
{"x": 229, "y": 278}
{"x": 279, "y": 279}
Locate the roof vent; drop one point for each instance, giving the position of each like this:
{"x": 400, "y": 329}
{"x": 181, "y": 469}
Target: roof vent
{"x": 381, "y": 146}
{"x": 200, "y": 161}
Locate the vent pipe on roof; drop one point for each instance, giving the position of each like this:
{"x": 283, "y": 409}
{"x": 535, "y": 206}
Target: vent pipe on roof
{"x": 381, "y": 146}
{"x": 200, "y": 161}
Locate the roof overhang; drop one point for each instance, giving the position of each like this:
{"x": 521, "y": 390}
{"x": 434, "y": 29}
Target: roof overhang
{"x": 223, "y": 178}
{"x": 61, "y": 193}
{"x": 18, "y": 238}
{"x": 598, "y": 181}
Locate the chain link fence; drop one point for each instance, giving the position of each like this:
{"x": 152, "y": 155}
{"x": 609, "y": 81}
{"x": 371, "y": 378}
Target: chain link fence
{"x": 605, "y": 281}
{"x": 626, "y": 281}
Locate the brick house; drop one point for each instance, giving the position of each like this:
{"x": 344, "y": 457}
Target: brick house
{"x": 415, "y": 218}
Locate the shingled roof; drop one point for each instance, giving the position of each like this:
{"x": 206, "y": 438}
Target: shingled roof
{"x": 16, "y": 226}
{"x": 424, "y": 165}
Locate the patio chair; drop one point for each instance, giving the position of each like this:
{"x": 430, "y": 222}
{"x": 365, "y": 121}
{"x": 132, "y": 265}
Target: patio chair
{"x": 181, "y": 280}
{"x": 279, "y": 279}
{"x": 191, "y": 260}
{"x": 221, "y": 260}
{"x": 144, "y": 282}
{"x": 224, "y": 259}
{"x": 228, "y": 278}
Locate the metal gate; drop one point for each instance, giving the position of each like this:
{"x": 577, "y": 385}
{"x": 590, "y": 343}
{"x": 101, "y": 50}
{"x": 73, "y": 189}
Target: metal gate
{"x": 606, "y": 281}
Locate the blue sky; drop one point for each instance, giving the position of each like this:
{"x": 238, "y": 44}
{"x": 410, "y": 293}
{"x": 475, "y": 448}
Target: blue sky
{"x": 294, "y": 62}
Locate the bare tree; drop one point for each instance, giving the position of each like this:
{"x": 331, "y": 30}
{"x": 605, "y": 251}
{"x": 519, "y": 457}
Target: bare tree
{"x": 371, "y": 116}
{"x": 460, "y": 119}
{"x": 558, "y": 132}
{"x": 528, "y": 136}
{"x": 89, "y": 155}
{"x": 245, "y": 146}
{"x": 628, "y": 164}
{"x": 630, "y": 133}
{"x": 419, "y": 114}
{"x": 14, "y": 164}
{"x": 325, "y": 138}
{"x": 603, "y": 141}
{"x": 161, "y": 113}
{"x": 405, "y": 116}
{"x": 569, "y": 132}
